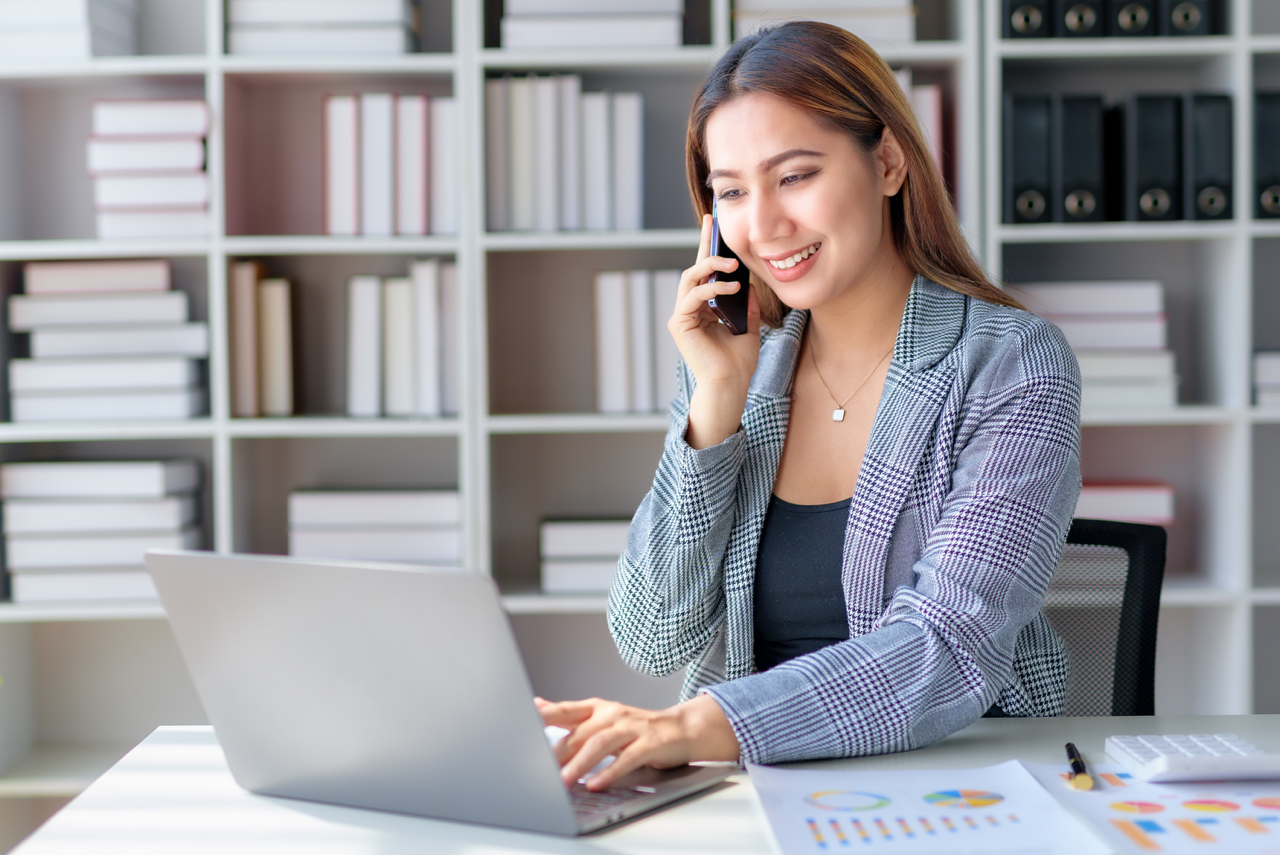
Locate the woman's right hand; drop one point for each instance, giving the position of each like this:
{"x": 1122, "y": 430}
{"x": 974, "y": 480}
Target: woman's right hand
{"x": 722, "y": 363}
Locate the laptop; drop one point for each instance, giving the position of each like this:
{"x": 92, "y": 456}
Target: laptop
{"x": 380, "y": 686}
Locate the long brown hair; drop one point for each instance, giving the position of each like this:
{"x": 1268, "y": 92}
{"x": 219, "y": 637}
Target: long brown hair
{"x": 833, "y": 73}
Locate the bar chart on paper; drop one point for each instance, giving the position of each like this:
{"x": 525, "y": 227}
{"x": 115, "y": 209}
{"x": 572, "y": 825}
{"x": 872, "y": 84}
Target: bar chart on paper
{"x": 998, "y": 810}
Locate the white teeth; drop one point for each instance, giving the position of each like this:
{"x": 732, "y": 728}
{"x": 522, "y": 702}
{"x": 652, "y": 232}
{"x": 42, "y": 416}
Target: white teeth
{"x": 788, "y": 263}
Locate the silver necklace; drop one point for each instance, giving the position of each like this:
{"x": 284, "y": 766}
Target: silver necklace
{"x": 837, "y": 415}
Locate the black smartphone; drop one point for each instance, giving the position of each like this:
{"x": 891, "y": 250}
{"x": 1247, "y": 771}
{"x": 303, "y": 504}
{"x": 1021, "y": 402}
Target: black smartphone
{"x": 730, "y": 308}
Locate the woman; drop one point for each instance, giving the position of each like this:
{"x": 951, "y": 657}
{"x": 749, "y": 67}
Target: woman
{"x": 861, "y": 501}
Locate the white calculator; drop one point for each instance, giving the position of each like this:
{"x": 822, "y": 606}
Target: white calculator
{"x": 1198, "y": 757}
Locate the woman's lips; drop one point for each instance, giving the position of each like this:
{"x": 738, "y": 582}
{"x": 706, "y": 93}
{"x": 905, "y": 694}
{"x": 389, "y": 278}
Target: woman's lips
{"x": 790, "y": 274}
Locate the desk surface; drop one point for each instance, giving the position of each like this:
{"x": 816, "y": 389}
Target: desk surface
{"x": 174, "y": 794}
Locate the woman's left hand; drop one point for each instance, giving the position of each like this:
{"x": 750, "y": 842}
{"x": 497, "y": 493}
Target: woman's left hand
{"x": 694, "y": 730}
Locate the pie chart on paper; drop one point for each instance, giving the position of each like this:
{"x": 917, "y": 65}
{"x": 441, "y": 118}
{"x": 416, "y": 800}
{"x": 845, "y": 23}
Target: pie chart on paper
{"x": 1137, "y": 807}
{"x": 1210, "y": 805}
{"x": 963, "y": 798}
{"x": 1267, "y": 803}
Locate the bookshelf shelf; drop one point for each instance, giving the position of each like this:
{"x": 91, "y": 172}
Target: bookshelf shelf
{"x": 1184, "y": 415}
{"x": 1265, "y": 597}
{"x": 58, "y": 771}
{"x": 76, "y": 612}
{"x": 333, "y": 66}
{"x": 114, "y": 66}
{"x": 328, "y": 245}
{"x": 302, "y": 426}
{"x": 646, "y": 239}
{"x": 546, "y": 604}
{"x": 577, "y": 423}
{"x": 1114, "y": 48}
{"x": 54, "y": 250}
{"x": 691, "y": 58}
{"x": 926, "y": 53}
{"x": 122, "y": 430}
{"x": 1264, "y": 44}
{"x": 1110, "y": 232}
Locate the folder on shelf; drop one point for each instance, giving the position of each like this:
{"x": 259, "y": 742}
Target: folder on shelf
{"x": 412, "y": 135}
{"x": 443, "y": 166}
{"x": 1152, "y": 145}
{"x": 1129, "y": 18}
{"x": 1079, "y": 159}
{"x": 1189, "y": 17}
{"x": 377, "y": 164}
{"x": 546, "y": 153}
{"x": 1076, "y": 19}
{"x": 1027, "y": 19}
{"x": 1207, "y": 159}
{"x": 521, "y": 156}
{"x": 1027, "y": 158}
{"x": 275, "y": 347}
{"x": 597, "y": 160}
{"x": 570, "y": 93}
{"x": 398, "y": 380}
{"x": 243, "y": 293}
{"x": 640, "y": 295}
{"x": 1266, "y": 154}
{"x": 613, "y": 345}
{"x": 496, "y": 179}
{"x": 342, "y": 168}
{"x": 364, "y": 346}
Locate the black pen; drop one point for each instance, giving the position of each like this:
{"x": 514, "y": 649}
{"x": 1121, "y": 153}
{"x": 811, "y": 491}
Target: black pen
{"x": 1079, "y": 777}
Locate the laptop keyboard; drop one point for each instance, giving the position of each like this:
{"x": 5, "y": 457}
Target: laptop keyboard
{"x": 587, "y": 804}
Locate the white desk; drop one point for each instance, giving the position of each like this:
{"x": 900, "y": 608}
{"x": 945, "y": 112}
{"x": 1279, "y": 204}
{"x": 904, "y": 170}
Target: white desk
{"x": 174, "y": 794}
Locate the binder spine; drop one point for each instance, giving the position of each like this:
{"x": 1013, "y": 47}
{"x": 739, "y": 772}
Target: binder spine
{"x": 1153, "y": 158}
{"x": 1027, "y": 158}
{"x": 1207, "y": 147}
{"x": 1076, "y": 19}
{"x": 1266, "y": 155}
{"x": 1027, "y": 19}
{"x": 1079, "y": 170}
{"x": 1188, "y": 17}
{"x": 1130, "y": 18}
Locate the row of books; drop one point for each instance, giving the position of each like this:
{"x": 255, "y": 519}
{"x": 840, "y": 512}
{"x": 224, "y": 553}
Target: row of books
{"x": 402, "y": 346}
{"x": 636, "y": 358}
{"x": 261, "y": 343}
{"x": 322, "y": 27}
{"x": 561, "y": 158}
{"x": 1071, "y": 19}
{"x": 79, "y": 530}
{"x": 408, "y": 526}
{"x": 872, "y": 20}
{"x": 1119, "y": 333}
{"x": 1266, "y": 378}
{"x": 62, "y": 30}
{"x": 146, "y": 159}
{"x": 390, "y": 165}
{"x": 592, "y": 23}
{"x": 1071, "y": 158}
{"x": 107, "y": 340}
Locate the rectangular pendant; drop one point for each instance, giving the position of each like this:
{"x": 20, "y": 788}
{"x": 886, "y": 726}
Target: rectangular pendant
{"x": 837, "y": 415}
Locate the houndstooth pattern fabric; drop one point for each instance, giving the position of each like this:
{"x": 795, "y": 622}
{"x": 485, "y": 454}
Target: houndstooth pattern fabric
{"x": 959, "y": 514}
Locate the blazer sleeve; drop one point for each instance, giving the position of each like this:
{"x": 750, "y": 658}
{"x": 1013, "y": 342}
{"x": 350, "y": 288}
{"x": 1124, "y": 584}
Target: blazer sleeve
{"x": 667, "y": 600}
{"x": 941, "y": 653}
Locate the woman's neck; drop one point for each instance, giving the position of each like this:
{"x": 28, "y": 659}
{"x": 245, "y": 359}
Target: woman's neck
{"x": 865, "y": 318}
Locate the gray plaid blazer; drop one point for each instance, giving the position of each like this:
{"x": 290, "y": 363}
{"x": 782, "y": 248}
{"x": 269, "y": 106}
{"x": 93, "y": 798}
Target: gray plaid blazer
{"x": 963, "y": 502}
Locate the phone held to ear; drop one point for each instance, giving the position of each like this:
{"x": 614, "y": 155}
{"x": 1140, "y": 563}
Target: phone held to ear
{"x": 730, "y": 308}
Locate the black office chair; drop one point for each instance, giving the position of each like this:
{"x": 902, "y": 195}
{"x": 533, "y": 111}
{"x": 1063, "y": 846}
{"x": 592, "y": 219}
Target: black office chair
{"x": 1104, "y": 602}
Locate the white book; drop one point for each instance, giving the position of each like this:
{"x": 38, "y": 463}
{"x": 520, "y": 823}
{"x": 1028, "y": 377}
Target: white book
{"x": 78, "y": 277}
{"x": 377, "y": 164}
{"x": 583, "y": 538}
{"x": 1113, "y": 332}
{"x": 1139, "y": 503}
{"x": 243, "y": 316}
{"x": 107, "y": 405}
{"x": 314, "y": 12}
{"x": 570, "y": 107}
{"x": 172, "y": 339}
{"x": 628, "y": 161}
{"x": 45, "y": 14}
{"x": 1091, "y": 298}
{"x": 130, "y": 225}
{"x": 426, "y": 336}
{"x": 411, "y": 165}
{"x": 890, "y": 25}
{"x": 927, "y": 102}
{"x": 140, "y": 479}
{"x": 329, "y": 509}
{"x": 495, "y": 147}
{"x": 442, "y": 183}
{"x": 613, "y": 344}
{"x": 28, "y": 311}
{"x": 450, "y": 352}
{"x": 68, "y": 516}
{"x": 1266, "y": 367}
{"x": 99, "y": 374}
{"x": 584, "y": 576}
{"x": 398, "y": 348}
{"x": 594, "y": 31}
{"x": 364, "y": 346}
{"x": 275, "y": 347}
{"x": 519, "y": 8}
{"x": 151, "y": 118}
{"x": 1132, "y": 364}
{"x": 63, "y": 44}
{"x": 1147, "y": 393}
{"x": 414, "y": 546}
{"x": 666, "y": 356}
{"x": 340, "y": 40}
{"x": 521, "y": 162}
{"x": 78, "y": 587}
{"x": 31, "y": 552}
{"x": 546, "y": 154}
{"x": 341, "y": 161}
{"x": 640, "y": 297}
{"x": 597, "y": 161}
{"x": 151, "y": 191}
{"x": 106, "y": 155}
{"x": 190, "y": 339}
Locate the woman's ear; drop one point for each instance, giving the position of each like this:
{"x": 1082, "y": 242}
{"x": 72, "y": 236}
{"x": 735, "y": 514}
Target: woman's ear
{"x": 892, "y": 161}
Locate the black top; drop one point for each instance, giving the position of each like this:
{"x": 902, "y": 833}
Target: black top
{"x": 799, "y": 600}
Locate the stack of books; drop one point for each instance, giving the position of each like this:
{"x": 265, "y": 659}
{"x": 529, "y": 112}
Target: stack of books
{"x": 581, "y": 556}
{"x": 78, "y": 531}
{"x": 881, "y": 20}
{"x": 1151, "y": 504}
{"x": 561, "y": 158}
{"x": 146, "y": 159}
{"x": 62, "y": 30}
{"x": 108, "y": 340}
{"x": 261, "y": 343}
{"x": 322, "y": 27}
{"x": 1266, "y": 379}
{"x": 402, "y": 347}
{"x": 416, "y": 527}
{"x": 391, "y": 165}
{"x": 1119, "y": 333}
{"x": 636, "y": 358}
{"x": 592, "y": 23}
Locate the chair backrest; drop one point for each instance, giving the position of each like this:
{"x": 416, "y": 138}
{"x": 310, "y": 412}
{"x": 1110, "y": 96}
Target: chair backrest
{"x": 1104, "y": 602}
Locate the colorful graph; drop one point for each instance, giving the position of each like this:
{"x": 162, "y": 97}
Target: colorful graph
{"x": 1137, "y": 807}
{"x": 846, "y": 800}
{"x": 963, "y": 799}
{"x": 832, "y": 833}
{"x": 1210, "y": 805}
{"x": 1269, "y": 803}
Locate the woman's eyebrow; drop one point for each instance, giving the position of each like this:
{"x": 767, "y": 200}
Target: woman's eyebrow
{"x": 765, "y": 165}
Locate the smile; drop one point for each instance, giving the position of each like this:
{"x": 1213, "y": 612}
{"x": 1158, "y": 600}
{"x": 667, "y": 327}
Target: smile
{"x": 792, "y": 261}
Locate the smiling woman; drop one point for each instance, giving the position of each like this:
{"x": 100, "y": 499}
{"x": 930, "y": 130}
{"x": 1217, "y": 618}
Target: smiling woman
{"x": 860, "y": 502}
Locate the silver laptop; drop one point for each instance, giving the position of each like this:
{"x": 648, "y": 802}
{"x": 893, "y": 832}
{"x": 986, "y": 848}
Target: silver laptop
{"x": 381, "y": 686}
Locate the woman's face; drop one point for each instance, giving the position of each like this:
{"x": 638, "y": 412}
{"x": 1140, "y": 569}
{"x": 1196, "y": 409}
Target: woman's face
{"x": 798, "y": 201}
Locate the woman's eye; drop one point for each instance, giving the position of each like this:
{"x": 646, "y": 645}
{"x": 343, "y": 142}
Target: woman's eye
{"x": 796, "y": 179}
{"x": 728, "y": 194}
